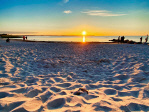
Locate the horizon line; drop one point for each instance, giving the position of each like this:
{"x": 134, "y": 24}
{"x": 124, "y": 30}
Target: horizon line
{"x": 64, "y": 35}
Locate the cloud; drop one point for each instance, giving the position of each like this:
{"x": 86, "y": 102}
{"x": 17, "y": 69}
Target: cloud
{"x": 65, "y": 1}
{"x": 67, "y": 11}
{"x": 101, "y": 13}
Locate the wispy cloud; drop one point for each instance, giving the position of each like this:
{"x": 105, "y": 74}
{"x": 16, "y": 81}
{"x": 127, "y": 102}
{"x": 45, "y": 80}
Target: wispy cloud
{"x": 15, "y": 32}
{"x": 67, "y": 11}
{"x": 65, "y": 1}
{"x": 102, "y": 13}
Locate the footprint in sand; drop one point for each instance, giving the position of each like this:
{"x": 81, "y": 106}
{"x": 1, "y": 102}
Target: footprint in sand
{"x": 2, "y": 65}
{"x": 110, "y": 91}
{"x": 116, "y": 99}
{"x": 1, "y": 107}
{"x": 58, "y": 79}
{"x": 117, "y": 87}
{"x": 44, "y": 97}
{"x": 99, "y": 107}
{"x": 69, "y": 78}
{"x": 13, "y": 105}
{"x": 4, "y": 75}
{"x": 20, "y": 109}
{"x": 32, "y": 105}
{"x": 63, "y": 93}
{"x": 135, "y": 93}
{"x": 32, "y": 80}
{"x": 55, "y": 89}
{"x": 21, "y": 90}
{"x": 57, "y": 103}
{"x": 64, "y": 85}
{"x": 3, "y": 94}
{"x": 146, "y": 92}
{"x": 135, "y": 107}
{"x": 4, "y": 81}
{"x": 92, "y": 86}
{"x": 123, "y": 94}
{"x": 88, "y": 97}
{"x": 121, "y": 77}
{"x": 33, "y": 93}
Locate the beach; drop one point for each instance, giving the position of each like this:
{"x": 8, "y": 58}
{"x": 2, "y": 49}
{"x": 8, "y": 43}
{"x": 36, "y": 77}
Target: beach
{"x": 44, "y": 77}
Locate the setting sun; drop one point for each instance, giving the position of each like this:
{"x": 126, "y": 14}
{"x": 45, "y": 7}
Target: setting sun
{"x": 84, "y": 33}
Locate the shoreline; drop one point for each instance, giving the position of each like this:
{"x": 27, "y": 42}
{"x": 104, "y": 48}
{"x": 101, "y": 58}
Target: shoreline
{"x": 73, "y": 42}
{"x": 21, "y": 40}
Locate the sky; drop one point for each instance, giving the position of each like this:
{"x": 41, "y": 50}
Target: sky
{"x": 71, "y": 17}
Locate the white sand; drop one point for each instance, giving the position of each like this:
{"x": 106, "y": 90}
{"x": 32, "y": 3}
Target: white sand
{"x": 43, "y": 77}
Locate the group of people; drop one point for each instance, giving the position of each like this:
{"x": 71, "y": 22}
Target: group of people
{"x": 146, "y": 39}
{"x": 24, "y": 37}
{"x": 121, "y": 39}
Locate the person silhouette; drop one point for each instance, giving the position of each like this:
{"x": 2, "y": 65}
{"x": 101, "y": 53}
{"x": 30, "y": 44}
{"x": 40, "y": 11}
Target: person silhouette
{"x": 8, "y": 40}
{"x": 118, "y": 39}
{"x": 141, "y": 39}
{"x": 122, "y": 39}
{"x": 23, "y": 38}
{"x": 146, "y": 39}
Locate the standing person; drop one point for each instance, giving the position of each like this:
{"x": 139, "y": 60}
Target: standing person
{"x": 118, "y": 39}
{"x": 146, "y": 39}
{"x": 122, "y": 39}
{"x": 26, "y": 37}
{"x": 141, "y": 39}
{"x": 23, "y": 38}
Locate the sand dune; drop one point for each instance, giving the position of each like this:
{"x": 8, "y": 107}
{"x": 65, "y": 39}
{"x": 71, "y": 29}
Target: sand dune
{"x": 37, "y": 77}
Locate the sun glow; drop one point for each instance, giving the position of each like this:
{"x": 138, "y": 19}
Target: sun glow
{"x": 84, "y": 33}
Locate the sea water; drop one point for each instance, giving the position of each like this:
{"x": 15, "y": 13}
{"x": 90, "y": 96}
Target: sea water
{"x": 80, "y": 38}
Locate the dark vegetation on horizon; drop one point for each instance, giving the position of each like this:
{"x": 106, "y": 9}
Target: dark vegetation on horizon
{"x": 9, "y": 36}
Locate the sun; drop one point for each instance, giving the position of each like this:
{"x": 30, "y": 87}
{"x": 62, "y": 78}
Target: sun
{"x": 84, "y": 33}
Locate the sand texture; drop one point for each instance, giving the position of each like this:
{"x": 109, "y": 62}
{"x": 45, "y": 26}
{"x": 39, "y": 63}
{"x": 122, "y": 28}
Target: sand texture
{"x": 44, "y": 77}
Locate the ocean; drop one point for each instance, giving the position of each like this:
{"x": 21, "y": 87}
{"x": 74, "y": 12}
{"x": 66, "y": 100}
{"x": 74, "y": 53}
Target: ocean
{"x": 80, "y": 38}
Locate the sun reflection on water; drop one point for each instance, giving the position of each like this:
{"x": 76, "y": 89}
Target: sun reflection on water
{"x": 84, "y": 33}
{"x": 83, "y": 38}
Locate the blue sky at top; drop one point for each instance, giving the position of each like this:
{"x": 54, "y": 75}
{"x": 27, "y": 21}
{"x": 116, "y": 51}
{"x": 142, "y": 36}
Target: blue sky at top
{"x": 99, "y": 17}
